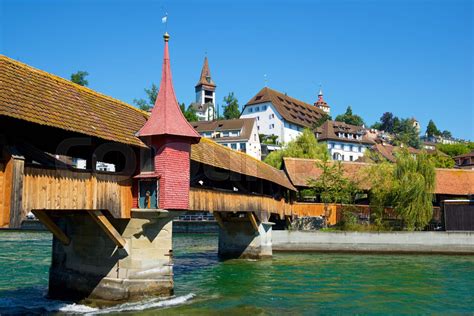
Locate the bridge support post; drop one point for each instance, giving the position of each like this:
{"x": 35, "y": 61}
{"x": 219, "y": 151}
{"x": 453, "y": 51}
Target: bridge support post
{"x": 115, "y": 260}
{"x": 243, "y": 235}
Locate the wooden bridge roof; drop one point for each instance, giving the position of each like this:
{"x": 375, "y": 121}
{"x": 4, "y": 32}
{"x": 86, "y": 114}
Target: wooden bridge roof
{"x": 38, "y": 97}
{"x": 448, "y": 181}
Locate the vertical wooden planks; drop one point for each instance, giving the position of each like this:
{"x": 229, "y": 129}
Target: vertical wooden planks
{"x": 16, "y": 198}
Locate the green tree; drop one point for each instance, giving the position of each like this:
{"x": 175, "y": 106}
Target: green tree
{"x": 231, "y": 107}
{"x": 333, "y": 186}
{"x": 149, "y": 102}
{"x": 304, "y": 146}
{"x": 381, "y": 179}
{"x": 406, "y": 133}
{"x": 80, "y": 78}
{"x": 440, "y": 160}
{"x": 189, "y": 113}
{"x": 413, "y": 189}
{"x": 446, "y": 134}
{"x": 320, "y": 121}
{"x": 432, "y": 130}
{"x": 350, "y": 118}
{"x": 454, "y": 149}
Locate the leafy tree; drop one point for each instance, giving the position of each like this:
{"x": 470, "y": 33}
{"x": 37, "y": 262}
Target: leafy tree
{"x": 454, "y": 149}
{"x": 381, "y": 178}
{"x": 304, "y": 146}
{"x": 332, "y": 186}
{"x": 446, "y": 134}
{"x": 189, "y": 113}
{"x": 376, "y": 125}
{"x": 406, "y": 133}
{"x": 231, "y": 107}
{"x": 147, "y": 104}
{"x": 432, "y": 130}
{"x": 320, "y": 121}
{"x": 350, "y": 118}
{"x": 413, "y": 189}
{"x": 387, "y": 121}
{"x": 268, "y": 139}
{"x": 441, "y": 160}
{"x": 80, "y": 78}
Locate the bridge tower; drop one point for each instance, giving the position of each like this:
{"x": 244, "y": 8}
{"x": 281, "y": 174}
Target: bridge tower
{"x": 129, "y": 258}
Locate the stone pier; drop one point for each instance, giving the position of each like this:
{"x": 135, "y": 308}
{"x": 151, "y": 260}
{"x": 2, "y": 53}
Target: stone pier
{"x": 243, "y": 236}
{"x": 93, "y": 267}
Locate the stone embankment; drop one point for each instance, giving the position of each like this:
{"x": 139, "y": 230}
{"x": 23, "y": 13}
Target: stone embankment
{"x": 382, "y": 242}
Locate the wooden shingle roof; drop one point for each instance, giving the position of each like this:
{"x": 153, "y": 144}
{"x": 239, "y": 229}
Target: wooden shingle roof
{"x": 210, "y": 153}
{"x": 291, "y": 109}
{"x": 38, "y": 97}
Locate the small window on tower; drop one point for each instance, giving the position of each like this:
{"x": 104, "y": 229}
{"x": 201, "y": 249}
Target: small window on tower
{"x": 147, "y": 159}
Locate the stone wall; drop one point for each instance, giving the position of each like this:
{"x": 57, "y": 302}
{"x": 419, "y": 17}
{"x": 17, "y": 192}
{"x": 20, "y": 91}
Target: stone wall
{"x": 409, "y": 242}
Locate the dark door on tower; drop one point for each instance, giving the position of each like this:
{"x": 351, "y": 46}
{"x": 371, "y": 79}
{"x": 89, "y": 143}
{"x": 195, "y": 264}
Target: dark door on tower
{"x": 148, "y": 193}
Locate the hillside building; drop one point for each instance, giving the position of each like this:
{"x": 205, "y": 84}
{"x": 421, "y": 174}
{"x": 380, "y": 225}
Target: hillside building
{"x": 237, "y": 134}
{"x": 345, "y": 142}
{"x": 281, "y": 115}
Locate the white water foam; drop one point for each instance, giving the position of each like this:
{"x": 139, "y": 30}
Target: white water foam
{"x": 142, "y": 305}
{"x": 72, "y": 308}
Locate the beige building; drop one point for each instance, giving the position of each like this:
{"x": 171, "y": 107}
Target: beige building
{"x": 237, "y": 134}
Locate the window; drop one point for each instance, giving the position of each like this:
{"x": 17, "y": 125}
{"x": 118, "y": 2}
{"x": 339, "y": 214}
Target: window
{"x": 233, "y": 146}
{"x": 243, "y": 147}
{"x": 271, "y": 116}
{"x": 258, "y": 128}
{"x": 225, "y": 134}
{"x": 255, "y": 137}
{"x": 258, "y": 118}
{"x": 272, "y": 126}
{"x": 351, "y": 158}
{"x": 257, "y": 109}
{"x": 147, "y": 159}
{"x": 258, "y": 97}
{"x": 250, "y": 110}
{"x": 329, "y": 145}
{"x": 264, "y": 107}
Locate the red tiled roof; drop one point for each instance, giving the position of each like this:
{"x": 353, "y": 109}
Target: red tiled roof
{"x": 388, "y": 151}
{"x": 166, "y": 116}
{"x": 244, "y": 125}
{"x": 329, "y": 130}
{"x": 448, "y": 181}
{"x": 291, "y": 109}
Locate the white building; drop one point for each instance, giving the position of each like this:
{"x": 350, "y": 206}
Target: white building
{"x": 278, "y": 114}
{"x": 205, "y": 95}
{"x": 345, "y": 142}
{"x": 237, "y": 134}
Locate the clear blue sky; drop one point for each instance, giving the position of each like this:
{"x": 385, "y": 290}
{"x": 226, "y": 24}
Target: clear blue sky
{"x": 413, "y": 58}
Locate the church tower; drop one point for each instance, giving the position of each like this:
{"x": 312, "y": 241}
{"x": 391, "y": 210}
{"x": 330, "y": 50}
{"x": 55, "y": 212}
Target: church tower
{"x": 321, "y": 103}
{"x": 205, "y": 88}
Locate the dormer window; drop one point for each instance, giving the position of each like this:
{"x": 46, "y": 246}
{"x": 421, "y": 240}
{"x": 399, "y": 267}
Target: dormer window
{"x": 147, "y": 159}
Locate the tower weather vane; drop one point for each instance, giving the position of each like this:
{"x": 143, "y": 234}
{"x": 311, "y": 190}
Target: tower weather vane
{"x": 164, "y": 20}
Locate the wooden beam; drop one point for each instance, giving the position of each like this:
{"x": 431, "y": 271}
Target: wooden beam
{"x": 107, "y": 227}
{"x": 218, "y": 218}
{"x": 16, "y": 196}
{"x": 253, "y": 220}
{"x": 51, "y": 226}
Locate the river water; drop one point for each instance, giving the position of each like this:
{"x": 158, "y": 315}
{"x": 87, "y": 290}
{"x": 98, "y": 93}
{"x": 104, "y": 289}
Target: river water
{"x": 290, "y": 283}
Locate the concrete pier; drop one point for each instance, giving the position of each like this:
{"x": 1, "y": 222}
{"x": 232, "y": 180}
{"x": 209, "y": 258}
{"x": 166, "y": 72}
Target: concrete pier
{"x": 93, "y": 268}
{"x": 243, "y": 236}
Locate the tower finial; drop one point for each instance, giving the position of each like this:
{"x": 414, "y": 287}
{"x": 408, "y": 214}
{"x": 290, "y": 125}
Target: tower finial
{"x": 166, "y": 37}
{"x": 320, "y": 94}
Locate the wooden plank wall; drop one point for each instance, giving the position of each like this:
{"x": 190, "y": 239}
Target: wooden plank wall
{"x": 65, "y": 189}
{"x": 5, "y": 189}
{"x": 315, "y": 209}
{"x": 211, "y": 200}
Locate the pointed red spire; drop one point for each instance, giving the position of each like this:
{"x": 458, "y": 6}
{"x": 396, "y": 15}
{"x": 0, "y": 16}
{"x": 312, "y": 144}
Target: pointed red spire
{"x": 166, "y": 117}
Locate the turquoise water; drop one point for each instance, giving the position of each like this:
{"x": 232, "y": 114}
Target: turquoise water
{"x": 305, "y": 283}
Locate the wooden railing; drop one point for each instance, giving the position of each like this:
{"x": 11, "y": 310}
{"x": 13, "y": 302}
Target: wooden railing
{"x": 66, "y": 189}
{"x": 224, "y": 201}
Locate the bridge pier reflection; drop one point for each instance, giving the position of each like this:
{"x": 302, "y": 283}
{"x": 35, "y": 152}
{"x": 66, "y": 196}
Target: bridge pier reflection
{"x": 126, "y": 259}
{"x": 244, "y": 235}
